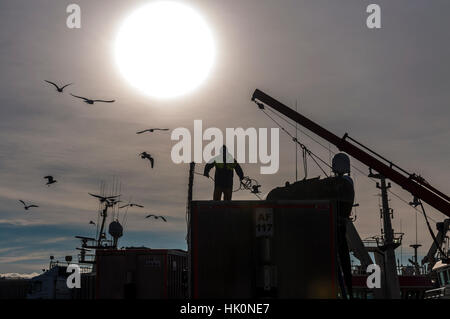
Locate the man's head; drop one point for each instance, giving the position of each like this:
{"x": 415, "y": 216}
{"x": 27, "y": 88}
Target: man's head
{"x": 223, "y": 150}
{"x": 224, "y": 155}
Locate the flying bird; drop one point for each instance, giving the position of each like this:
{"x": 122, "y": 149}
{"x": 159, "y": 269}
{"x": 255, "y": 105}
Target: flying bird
{"x": 50, "y": 180}
{"x": 156, "y": 217}
{"x": 27, "y": 207}
{"x": 104, "y": 198}
{"x": 145, "y": 155}
{"x": 112, "y": 202}
{"x": 151, "y": 130}
{"x": 131, "y": 205}
{"x": 91, "y": 223}
{"x": 89, "y": 101}
{"x": 59, "y": 89}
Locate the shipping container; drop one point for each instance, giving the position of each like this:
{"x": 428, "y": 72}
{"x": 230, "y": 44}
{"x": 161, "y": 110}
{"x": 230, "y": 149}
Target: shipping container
{"x": 88, "y": 284}
{"x": 263, "y": 249}
{"x": 141, "y": 274}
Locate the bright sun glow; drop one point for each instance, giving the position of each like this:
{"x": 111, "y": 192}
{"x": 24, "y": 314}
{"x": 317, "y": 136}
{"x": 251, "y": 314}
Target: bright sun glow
{"x": 165, "y": 49}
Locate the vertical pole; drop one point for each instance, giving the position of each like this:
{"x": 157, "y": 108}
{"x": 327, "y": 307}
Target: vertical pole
{"x": 392, "y": 283}
{"x": 416, "y": 264}
{"x": 401, "y": 247}
{"x": 189, "y": 199}
{"x": 415, "y": 246}
{"x": 188, "y": 221}
{"x": 104, "y": 215}
{"x": 296, "y": 146}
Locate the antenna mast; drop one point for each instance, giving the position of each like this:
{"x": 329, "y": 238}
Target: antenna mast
{"x": 389, "y": 243}
{"x": 296, "y": 146}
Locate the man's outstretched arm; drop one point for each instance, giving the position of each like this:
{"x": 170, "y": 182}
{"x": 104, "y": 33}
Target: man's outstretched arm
{"x": 208, "y": 167}
{"x": 238, "y": 170}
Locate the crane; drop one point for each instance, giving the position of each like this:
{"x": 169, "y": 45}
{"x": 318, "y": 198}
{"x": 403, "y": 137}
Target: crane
{"x": 443, "y": 228}
{"x": 413, "y": 183}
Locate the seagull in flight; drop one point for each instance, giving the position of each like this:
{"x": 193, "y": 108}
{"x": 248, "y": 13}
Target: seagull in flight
{"x": 59, "y": 89}
{"x": 50, "y": 180}
{"x": 145, "y": 155}
{"x": 112, "y": 202}
{"x": 89, "y": 101}
{"x": 131, "y": 205}
{"x": 151, "y": 130}
{"x": 156, "y": 217}
{"x": 103, "y": 198}
{"x": 27, "y": 207}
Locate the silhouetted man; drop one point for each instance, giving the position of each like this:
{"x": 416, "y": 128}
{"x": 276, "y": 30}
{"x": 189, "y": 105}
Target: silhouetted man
{"x": 225, "y": 164}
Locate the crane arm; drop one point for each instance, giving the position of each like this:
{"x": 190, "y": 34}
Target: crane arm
{"x": 409, "y": 182}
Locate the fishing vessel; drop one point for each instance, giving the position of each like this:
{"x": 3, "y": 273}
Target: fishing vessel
{"x": 259, "y": 240}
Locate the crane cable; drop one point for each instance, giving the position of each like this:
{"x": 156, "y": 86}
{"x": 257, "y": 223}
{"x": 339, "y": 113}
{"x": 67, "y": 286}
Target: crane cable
{"x": 261, "y": 107}
{"x": 304, "y": 148}
{"x": 352, "y": 165}
{"x": 431, "y": 232}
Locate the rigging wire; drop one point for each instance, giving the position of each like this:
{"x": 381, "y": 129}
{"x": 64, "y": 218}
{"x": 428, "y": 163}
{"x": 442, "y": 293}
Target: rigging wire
{"x": 431, "y": 231}
{"x": 304, "y": 148}
{"x": 293, "y": 125}
{"x": 305, "y": 163}
{"x": 328, "y": 148}
{"x": 261, "y": 107}
{"x": 125, "y": 216}
{"x": 118, "y": 210}
{"x": 416, "y": 226}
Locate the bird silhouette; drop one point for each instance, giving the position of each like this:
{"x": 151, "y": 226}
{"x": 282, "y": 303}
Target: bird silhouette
{"x": 103, "y": 198}
{"x": 59, "y": 89}
{"x": 151, "y": 130}
{"x": 145, "y": 155}
{"x": 156, "y": 217}
{"x": 27, "y": 207}
{"x": 131, "y": 205}
{"x": 91, "y": 223}
{"x": 50, "y": 180}
{"x": 112, "y": 202}
{"x": 89, "y": 101}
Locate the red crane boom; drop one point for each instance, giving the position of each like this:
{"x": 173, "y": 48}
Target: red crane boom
{"x": 413, "y": 183}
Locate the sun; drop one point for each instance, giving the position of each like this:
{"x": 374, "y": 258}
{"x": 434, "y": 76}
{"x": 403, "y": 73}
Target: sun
{"x": 165, "y": 49}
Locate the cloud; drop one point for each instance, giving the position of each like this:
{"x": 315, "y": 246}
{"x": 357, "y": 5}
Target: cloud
{"x": 4, "y": 250}
{"x": 387, "y": 88}
{"x": 21, "y": 222}
{"x": 14, "y": 259}
{"x": 55, "y": 240}
{"x": 14, "y": 275}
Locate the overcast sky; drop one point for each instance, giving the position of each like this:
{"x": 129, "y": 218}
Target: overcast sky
{"x": 388, "y": 88}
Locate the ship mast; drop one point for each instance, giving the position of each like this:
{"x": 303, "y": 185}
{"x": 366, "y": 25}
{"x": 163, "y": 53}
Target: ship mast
{"x": 389, "y": 243}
